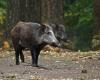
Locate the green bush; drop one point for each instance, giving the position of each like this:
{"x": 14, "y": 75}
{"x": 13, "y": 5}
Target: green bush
{"x": 83, "y": 39}
{"x": 79, "y": 19}
{"x": 3, "y": 5}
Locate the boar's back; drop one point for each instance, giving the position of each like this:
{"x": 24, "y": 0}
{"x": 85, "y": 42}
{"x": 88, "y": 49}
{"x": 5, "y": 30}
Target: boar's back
{"x": 25, "y": 33}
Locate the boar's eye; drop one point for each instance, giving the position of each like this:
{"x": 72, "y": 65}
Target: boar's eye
{"x": 49, "y": 33}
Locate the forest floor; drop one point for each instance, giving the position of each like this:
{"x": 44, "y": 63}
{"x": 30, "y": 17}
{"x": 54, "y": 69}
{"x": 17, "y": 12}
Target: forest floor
{"x": 53, "y": 65}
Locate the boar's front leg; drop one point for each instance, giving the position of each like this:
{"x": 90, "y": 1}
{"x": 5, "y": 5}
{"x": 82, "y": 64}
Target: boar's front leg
{"x": 37, "y": 54}
{"x": 34, "y": 56}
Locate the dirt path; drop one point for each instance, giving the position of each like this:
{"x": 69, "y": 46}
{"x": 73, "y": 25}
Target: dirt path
{"x": 51, "y": 68}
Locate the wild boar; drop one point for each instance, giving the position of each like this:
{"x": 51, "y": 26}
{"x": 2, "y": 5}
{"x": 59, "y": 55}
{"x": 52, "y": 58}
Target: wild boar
{"x": 33, "y": 36}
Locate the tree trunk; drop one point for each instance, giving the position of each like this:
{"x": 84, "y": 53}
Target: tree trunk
{"x": 22, "y": 10}
{"x": 30, "y": 10}
{"x": 96, "y": 16}
{"x": 12, "y": 13}
{"x": 57, "y": 14}
{"x": 52, "y": 11}
{"x": 96, "y": 30}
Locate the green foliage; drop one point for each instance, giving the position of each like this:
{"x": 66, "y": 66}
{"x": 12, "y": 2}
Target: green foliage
{"x": 78, "y": 18}
{"x": 3, "y": 4}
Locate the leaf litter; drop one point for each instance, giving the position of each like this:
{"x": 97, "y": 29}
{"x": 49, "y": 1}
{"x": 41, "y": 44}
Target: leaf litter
{"x": 56, "y": 64}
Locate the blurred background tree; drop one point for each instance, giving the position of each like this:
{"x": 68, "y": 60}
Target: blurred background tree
{"x": 96, "y": 28}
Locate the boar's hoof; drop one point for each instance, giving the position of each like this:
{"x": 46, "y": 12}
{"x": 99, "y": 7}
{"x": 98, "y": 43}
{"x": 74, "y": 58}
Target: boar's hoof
{"x": 23, "y": 61}
{"x": 17, "y": 63}
{"x": 34, "y": 65}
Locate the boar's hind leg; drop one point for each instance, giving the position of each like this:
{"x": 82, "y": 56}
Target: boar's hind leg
{"x": 17, "y": 56}
{"x": 18, "y": 51}
{"x": 21, "y": 53}
{"x": 16, "y": 47}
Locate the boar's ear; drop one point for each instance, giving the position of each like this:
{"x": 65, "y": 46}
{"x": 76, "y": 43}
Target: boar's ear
{"x": 43, "y": 27}
{"x": 57, "y": 26}
{"x": 53, "y": 26}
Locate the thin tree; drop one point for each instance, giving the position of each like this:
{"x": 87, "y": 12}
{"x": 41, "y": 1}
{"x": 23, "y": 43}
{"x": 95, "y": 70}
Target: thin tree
{"x": 96, "y": 29}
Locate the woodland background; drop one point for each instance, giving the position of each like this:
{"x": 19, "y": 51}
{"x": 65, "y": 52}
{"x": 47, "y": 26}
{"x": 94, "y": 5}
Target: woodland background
{"x": 80, "y": 17}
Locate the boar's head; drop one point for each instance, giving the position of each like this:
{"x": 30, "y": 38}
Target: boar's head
{"x": 47, "y": 35}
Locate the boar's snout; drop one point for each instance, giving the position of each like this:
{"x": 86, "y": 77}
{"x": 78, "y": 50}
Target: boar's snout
{"x": 56, "y": 44}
